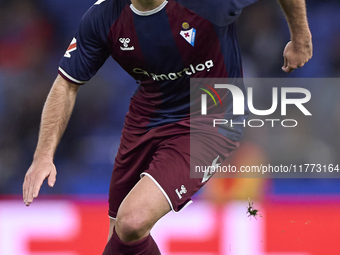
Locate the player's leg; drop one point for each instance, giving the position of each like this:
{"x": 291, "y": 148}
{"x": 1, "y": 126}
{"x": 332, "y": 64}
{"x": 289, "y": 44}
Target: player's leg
{"x": 112, "y": 224}
{"x": 140, "y": 210}
{"x": 166, "y": 183}
{"x": 133, "y": 157}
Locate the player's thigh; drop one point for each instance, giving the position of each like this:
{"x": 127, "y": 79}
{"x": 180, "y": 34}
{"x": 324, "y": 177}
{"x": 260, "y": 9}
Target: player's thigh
{"x": 112, "y": 224}
{"x": 134, "y": 156}
{"x": 141, "y": 209}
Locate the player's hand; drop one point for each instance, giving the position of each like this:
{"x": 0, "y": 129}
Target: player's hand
{"x": 296, "y": 55}
{"x": 36, "y": 174}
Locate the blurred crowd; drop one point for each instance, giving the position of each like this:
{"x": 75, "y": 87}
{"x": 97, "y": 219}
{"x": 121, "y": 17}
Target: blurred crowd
{"x": 33, "y": 37}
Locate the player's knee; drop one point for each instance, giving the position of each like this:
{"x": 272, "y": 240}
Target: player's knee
{"x": 131, "y": 227}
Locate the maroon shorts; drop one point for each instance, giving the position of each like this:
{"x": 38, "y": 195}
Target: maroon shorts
{"x": 164, "y": 155}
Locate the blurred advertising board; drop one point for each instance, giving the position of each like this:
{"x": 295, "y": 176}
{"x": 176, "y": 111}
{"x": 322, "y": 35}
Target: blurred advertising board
{"x": 76, "y": 227}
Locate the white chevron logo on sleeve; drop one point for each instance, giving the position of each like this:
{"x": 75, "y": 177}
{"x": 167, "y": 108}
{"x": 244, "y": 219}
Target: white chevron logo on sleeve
{"x": 99, "y": 2}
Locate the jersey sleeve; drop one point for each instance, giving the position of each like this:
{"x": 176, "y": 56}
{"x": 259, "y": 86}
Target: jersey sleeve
{"x": 88, "y": 49}
{"x": 218, "y": 12}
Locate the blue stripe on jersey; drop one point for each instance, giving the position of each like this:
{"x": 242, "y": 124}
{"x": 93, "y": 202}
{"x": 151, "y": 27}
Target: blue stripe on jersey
{"x": 159, "y": 49}
{"x": 157, "y": 42}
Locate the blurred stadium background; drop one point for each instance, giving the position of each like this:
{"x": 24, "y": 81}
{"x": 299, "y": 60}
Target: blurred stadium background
{"x": 299, "y": 216}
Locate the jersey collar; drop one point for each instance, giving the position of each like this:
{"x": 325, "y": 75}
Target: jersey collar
{"x": 148, "y": 13}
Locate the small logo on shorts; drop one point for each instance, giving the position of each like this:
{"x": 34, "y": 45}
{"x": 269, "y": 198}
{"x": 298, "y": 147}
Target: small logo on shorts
{"x": 182, "y": 191}
{"x": 212, "y": 169}
{"x": 125, "y": 42}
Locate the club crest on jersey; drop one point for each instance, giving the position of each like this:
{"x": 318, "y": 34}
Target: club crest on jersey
{"x": 125, "y": 42}
{"x": 188, "y": 34}
{"x": 72, "y": 47}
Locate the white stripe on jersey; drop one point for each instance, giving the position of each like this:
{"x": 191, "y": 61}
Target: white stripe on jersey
{"x": 70, "y": 77}
{"x": 99, "y": 2}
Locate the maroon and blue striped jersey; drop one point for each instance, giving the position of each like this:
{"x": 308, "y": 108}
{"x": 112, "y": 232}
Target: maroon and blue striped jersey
{"x": 161, "y": 49}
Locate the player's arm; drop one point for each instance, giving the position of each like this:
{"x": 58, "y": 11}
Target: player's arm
{"x": 55, "y": 116}
{"x": 300, "y": 49}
